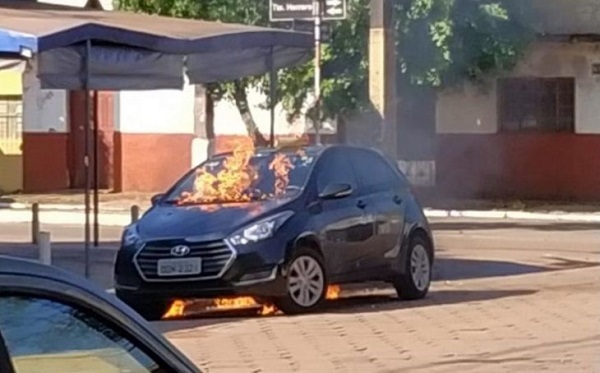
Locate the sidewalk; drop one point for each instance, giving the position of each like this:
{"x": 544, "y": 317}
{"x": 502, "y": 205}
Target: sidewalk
{"x": 76, "y": 216}
{"x": 71, "y": 257}
{"x": 115, "y": 209}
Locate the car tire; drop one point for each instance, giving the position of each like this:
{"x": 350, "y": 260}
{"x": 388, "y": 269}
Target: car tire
{"x": 415, "y": 281}
{"x": 149, "y": 310}
{"x": 305, "y": 292}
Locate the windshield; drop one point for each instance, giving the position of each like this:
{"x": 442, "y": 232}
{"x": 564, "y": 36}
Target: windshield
{"x": 243, "y": 177}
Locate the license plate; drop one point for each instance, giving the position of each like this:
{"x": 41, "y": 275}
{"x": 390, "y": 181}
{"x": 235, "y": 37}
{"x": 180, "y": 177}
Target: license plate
{"x": 179, "y": 267}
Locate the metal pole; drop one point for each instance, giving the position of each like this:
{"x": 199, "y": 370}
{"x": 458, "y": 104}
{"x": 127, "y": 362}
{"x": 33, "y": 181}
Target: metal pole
{"x": 35, "y": 222}
{"x": 45, "y": 248}
{"x": 86, "y": 158}
{"x": 317, "y": 117}
{"x": 272, "y": 96}
{"x": 135, "y": 213}
{"x": 96, "y": 169}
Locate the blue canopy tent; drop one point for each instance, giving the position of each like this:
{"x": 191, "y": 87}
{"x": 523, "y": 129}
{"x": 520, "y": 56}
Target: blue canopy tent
{"x": 94, "y": 50}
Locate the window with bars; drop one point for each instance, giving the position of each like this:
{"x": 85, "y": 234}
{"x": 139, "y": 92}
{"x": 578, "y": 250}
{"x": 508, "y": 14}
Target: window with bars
{"x": 536, "y": 104}
{"x": 11, "y": 124}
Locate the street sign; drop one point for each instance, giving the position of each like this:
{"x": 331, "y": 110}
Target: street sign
{"x": 289, "y": 10}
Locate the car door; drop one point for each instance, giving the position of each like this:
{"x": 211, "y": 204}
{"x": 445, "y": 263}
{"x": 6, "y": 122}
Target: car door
{"x": 342, "y": 224}
{"x": 384, "y": 193}
{"x": 55, "y": 332}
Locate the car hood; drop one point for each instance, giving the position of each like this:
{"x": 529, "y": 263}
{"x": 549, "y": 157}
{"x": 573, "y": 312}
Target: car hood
{"x": 214, "y": 222}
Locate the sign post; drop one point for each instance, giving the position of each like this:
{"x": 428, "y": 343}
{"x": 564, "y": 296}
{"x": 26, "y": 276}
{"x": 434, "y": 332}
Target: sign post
{"x": 317, "y": 118}
{"x": 317, "y": 11}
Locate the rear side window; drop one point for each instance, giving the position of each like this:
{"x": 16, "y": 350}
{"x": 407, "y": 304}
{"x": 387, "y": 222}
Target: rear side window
{"x": 335, "y": 168}
{"x": 375, "y": 173}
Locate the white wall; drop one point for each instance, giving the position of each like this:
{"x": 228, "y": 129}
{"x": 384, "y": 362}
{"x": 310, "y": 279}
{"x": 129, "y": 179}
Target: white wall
{"x": 228, "y": 121}
{"x": 172, "y": 111}
{"x": 106, "y": 4}
{"x": 469, "y": 111}
{"x": 161, "y": 111}
{"x": 44, "y": 110}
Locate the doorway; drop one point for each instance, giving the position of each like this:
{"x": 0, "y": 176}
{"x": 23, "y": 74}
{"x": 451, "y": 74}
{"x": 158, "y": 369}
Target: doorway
{"x": 103, "y": 115}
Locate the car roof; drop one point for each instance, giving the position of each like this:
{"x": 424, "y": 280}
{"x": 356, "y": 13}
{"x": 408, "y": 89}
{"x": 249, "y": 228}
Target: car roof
{"x": 19, "y": 266}
{"x": 11, "y": 266}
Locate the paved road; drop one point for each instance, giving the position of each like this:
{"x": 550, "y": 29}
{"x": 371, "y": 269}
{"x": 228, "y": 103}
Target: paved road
{"x": 512, "y": 297}
{"x": 508, "y": 296}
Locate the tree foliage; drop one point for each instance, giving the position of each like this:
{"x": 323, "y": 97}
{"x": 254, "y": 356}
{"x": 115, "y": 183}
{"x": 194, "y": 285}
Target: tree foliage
{"x": 249, "y": 12}
{"x": 439, "y": 43}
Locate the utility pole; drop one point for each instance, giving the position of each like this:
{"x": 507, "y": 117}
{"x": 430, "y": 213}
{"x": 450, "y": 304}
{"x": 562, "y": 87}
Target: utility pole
{"x": 318, "y": 14}
{"x": 382, "y": 72}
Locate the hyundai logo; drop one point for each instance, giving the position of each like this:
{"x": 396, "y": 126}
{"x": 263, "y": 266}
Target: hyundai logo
{"x": 180, "y": 250}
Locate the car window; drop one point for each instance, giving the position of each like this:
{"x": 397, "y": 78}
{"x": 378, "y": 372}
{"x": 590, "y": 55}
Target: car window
{"x": 335, "y": 168}
{"x": 42, "y": 335}
{"x": 373, "y": 171}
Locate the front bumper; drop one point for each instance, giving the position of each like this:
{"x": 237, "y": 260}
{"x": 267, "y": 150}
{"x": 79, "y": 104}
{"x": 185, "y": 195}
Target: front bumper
{"x": 255, "y": 271}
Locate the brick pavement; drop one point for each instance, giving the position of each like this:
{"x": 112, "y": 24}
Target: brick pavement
{"x": 543, "y": 322}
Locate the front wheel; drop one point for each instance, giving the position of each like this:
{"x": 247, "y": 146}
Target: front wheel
{"x": 414, "y": 283}
{"x": 306, "y": 283}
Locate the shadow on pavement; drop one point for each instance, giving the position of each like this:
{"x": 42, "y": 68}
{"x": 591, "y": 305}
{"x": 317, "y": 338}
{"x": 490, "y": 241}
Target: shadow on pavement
{"x": 452, "y": 269}
{"x": 380, "y": 303}
{"x": 353, "y": 304}
{"x": 539, "y": 226}
{"x": 71, "y": 256}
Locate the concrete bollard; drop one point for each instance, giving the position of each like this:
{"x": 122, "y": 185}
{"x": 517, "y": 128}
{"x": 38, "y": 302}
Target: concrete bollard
{"x": 35, "y": 222}
{"x": 45, "y": 248}
{"x": 135, "y": 213}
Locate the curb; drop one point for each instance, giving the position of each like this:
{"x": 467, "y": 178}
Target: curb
{"x": 58, "y": 207}
{"x": 514, "y": 215}
{"x": 122, "y": 219}
{"x": 63, "y": 217}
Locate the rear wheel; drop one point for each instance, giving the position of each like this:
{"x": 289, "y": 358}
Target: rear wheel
{"x": 150, "y": 310}
{"x": 415, "y": 282}
{"x": 306, "y": 283}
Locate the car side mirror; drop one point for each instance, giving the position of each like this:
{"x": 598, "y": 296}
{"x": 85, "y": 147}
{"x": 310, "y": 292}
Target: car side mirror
{"x": 155, "y": 198}
{"x": 335, "y": 191}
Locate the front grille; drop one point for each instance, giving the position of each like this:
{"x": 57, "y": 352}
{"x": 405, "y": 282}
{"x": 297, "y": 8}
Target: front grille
{"x": 216, "y": 256}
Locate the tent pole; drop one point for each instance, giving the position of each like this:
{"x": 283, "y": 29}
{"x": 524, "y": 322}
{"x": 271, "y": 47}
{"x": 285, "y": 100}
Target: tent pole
{"x": 96, "y": 169}
{"x": 272, "y": 95}
{"x": 86, "y": 160}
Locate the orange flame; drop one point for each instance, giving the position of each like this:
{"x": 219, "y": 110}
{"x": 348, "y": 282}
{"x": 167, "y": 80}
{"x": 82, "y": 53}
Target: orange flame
{"x": 177, "y": 309}
{"x": 232, "y": 183}
{"x": 333, "y": 292}
{"x": 281, "y": 166}
{"x": 242, "y": 303}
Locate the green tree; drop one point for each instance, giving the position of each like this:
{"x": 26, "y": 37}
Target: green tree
{"x": 439, "y": 43}
{"x": 248, "y": 12}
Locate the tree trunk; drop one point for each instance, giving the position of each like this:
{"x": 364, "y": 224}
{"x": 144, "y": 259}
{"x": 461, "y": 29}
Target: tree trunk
{"x": 210, "y": 124}
{"x": 241, "y": 101}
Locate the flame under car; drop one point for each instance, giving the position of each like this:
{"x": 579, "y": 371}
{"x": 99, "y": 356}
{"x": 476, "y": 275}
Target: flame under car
{"x": 278, "y": 225}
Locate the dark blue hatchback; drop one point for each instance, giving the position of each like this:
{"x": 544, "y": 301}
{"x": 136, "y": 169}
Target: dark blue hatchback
{"x": 340, "y": 214}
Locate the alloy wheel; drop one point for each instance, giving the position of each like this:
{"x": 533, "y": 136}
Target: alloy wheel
{"x": 420, "y": 267}
{"x": 305, "y": 281}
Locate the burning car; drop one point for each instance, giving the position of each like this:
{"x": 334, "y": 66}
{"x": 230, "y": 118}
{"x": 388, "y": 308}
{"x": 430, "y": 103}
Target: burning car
{"x": 279, "y": 225}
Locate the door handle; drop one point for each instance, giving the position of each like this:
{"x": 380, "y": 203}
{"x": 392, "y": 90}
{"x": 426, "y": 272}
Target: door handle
{"x": 361, "y": 204}
{"x": 397, "y": 200}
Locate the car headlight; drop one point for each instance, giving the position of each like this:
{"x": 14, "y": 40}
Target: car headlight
{"x": 260, "y": 230}
{"x": 131, "y": 237}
